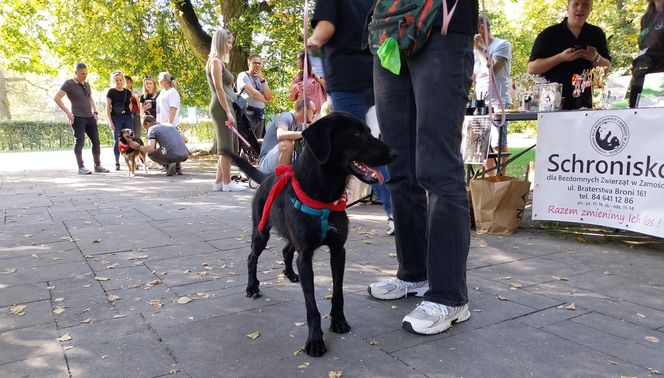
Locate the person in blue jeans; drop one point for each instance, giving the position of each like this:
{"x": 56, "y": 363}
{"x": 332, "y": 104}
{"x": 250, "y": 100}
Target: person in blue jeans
{"x": 348, "y": 65}
{"x": 118, "y": 112}
{"x": 420, "y": 113}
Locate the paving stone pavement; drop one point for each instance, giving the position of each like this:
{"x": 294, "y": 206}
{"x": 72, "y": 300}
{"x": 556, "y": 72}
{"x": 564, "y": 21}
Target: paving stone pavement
{"x": 100, "y": 262}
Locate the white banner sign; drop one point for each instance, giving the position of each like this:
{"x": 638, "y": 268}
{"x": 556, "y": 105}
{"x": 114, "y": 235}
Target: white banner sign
{"x": 601, "y": 167}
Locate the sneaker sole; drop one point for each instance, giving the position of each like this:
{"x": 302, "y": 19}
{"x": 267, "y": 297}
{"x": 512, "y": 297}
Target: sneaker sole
{"x": 436, "y": 330}
{"x": 419, "y": 292}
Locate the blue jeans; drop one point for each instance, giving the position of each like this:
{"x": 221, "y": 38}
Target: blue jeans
{"x": 120, "y": 122}
{"x": 358, "y": 103}
{"x": 420, "y": 113}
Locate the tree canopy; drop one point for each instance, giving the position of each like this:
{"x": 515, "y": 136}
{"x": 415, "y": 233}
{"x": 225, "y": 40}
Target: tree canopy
{"x": 142, "y": 37}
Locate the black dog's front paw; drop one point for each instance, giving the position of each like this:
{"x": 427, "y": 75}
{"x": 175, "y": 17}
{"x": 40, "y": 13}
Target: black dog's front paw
{"x": 339, "y": 325}
{"x": 291, "y": 275}
{"x": 253, "y": 292}
{"x": 315, "y": 348}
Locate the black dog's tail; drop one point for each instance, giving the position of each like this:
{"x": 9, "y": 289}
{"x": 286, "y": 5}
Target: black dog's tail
{"x": 246, "y": 167}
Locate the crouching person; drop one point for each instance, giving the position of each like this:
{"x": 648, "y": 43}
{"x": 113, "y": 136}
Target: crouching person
{"x": 280, "y": 136}
{"x": 171, "y": 150}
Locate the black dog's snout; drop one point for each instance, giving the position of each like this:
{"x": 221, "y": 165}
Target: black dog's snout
{"x": 393, "y": 154}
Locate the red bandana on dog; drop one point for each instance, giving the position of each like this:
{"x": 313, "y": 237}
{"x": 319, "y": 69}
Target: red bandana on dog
{"x": 283, "y": 174}
{"x": 123, "y": 147}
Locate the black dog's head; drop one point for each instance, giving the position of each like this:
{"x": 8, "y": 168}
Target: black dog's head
{"x": 339, "y": 139}
{"x": 127, "y": 135}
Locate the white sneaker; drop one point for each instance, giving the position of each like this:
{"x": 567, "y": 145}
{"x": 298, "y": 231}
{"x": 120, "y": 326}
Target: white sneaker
{"x": 390, "y": 226}
{"x": 233, "y": 186}
{"x": 217, "y": 187}
{"x": 430, "y": 318}
{"x": 395, "y": 288}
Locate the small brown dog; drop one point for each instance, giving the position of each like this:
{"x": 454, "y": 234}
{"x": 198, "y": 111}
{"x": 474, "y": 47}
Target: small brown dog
{"x": 131, "y": 155}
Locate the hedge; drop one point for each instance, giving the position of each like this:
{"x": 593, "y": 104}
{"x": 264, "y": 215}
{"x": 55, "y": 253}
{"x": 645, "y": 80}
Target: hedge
{"x": 40, "y": 135}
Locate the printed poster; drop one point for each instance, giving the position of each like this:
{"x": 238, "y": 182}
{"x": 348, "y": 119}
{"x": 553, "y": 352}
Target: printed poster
{"x": 601, "y": 167}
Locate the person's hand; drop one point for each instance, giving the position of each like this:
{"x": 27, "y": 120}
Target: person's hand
{"x": 231, "y": 120}
{"x": 571, "y": 54}
{"x": 111, "y": 125}
{"x": 96, "y": 116}
{"x": 134, "y": 145}
{"x": 70, "y": 118}
{"x": 589, "y": 53}
{"x": 148, "y": 105}
{"x": 478, "y": 42}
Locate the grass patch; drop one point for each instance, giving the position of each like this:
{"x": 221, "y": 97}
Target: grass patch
{"x": 517, "y": 168}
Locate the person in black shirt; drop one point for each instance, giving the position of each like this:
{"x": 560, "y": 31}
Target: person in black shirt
{"x": 651, "y": 44}
{"x": 569, "y": 48}
{"x": 118, "y": 112}
{"x": 420, "y": 113}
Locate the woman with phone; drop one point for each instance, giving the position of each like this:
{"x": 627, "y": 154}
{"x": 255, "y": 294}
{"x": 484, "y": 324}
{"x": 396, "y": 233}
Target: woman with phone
{"x": 148, "y": 99}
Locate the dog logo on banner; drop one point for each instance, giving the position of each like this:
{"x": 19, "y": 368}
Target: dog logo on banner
{"x": 609, "y": 135}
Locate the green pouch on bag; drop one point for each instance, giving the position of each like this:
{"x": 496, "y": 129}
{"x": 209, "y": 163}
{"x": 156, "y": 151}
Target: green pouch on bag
{"x": 389, "y": 55}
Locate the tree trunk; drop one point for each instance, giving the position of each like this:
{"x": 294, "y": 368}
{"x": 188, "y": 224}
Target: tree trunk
{"x": 5, "y": 113}
{"x": 198, "y": 39}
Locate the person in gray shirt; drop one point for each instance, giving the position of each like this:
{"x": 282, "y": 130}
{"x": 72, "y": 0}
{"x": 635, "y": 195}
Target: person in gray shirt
{"x": 255, "y": 89}
{"x": 82, "y": 117}
{"x": 172, "y": 149}
{"x": 280, "y": 136}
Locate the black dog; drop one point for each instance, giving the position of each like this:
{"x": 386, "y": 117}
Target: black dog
{"x": 336, "y": 145}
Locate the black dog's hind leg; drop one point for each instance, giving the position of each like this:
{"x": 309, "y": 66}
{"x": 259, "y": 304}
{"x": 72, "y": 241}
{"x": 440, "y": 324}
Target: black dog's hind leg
{"x": 258, "y": 243}
{"x": 315, "y": 345}
{"x": 289, "y": 252}
{"x": 338, "y": 322}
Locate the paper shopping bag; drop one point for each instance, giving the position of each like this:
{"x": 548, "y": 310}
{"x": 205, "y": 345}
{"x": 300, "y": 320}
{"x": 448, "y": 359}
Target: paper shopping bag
{"x": 498, "y": 204}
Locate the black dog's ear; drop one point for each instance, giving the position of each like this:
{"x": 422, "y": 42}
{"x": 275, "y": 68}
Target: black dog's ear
{"x": 318, "y": 137}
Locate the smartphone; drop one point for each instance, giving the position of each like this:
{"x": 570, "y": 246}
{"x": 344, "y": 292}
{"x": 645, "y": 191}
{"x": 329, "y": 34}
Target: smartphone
{"x": 580, "y": 47}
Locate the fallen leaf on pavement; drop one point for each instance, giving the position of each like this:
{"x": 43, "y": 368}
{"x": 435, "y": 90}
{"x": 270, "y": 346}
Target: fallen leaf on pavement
{"x": 394, "y": 307}
{"x": 68, "y": 347}
{"x": 50, "y": 287}
{"x": 113, "y": 297}
{"x": 17, "y": 310}
{"x": 59, "y": 299}
{"x": 102, "y": 278}
{"x": 640, "y": 315}
{"x": 366, "y": 241}
{"x": 203, "y": 295}
{"x": 373, "y": 342}
{"x": 392, "y": 254}
{"x": 172, "y": 371}
{"x": 298, "y": 352}
{"x": 35, "y": 256}
{"x": 505, "y": 278}
{"x": 571, "y": 306}
{"x": 9, "y": 271}
{"x": 65, "y": 337}
{"x": 502, "y": 298}
{"x": 303, "y": 365}
{"x": 516, "y": 285}
{"x": 119, "y": 316}
{"x": 477, "y": 310}
{"x": 299, "y": 324}
{"x": 112, "y": 266}
{"x": 86, "y": 321}
{"x": 328, "y": 297}
{"x": 97, "y": 241}
{"x": 254, "y": 335}
{"x": 652, "y": 339}
{"x": 156, "y": 303}
{"x": 183, "y": 300}
{"x": 559, "y": 278}
{"x": 86, "y": 285}
{"x": 56, "y": 259}
{"x": 611, "y": 362}
{"x": 153, "y": 283}
{"x": 335, "y": 374}
{"x": 27, "y": 235}
{"x": 58, "y": 310}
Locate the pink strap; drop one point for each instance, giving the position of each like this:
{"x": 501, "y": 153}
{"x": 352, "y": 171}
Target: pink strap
{"x": 447, "y": 16}
{"x": 305, "y": 60}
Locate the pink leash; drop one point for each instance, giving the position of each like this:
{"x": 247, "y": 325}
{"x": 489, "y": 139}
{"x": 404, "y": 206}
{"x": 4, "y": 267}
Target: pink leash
{"x": 493, "y": 87}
